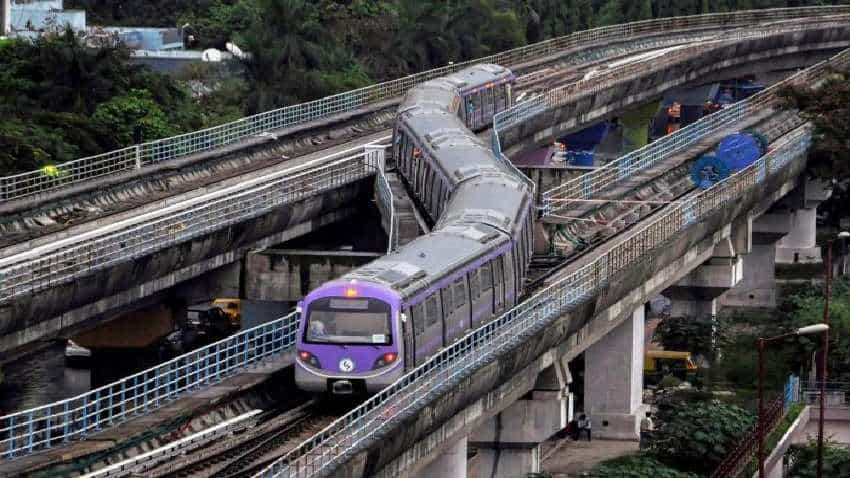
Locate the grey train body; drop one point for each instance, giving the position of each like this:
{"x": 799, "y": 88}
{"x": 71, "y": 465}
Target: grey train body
{"x": 472, "y": 266}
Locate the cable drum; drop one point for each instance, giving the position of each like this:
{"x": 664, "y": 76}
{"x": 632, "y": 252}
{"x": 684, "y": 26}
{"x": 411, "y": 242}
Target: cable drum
{"x": 737, "y": 151}
{"x": 708, "y": 171}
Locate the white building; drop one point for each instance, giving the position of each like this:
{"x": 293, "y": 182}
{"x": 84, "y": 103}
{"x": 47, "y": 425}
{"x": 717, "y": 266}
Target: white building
{"x": 33, "y": 17}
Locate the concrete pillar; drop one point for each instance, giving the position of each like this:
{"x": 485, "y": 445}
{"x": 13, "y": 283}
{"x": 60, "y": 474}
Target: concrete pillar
{"x": 452, "y": 462}
{"x": 696, "y": 294}
{"x": 613, "y": 380}
{"x": 5, "y": 17}
{"x": 757, "y": 287}
{"x": 508, "y": 445}
{"x": 799, "y": 245}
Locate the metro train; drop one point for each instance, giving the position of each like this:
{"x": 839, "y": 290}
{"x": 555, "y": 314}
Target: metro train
{"x": 361, "y": 332}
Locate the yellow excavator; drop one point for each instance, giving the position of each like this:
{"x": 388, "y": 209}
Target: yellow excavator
{"x": 658, "y": 363}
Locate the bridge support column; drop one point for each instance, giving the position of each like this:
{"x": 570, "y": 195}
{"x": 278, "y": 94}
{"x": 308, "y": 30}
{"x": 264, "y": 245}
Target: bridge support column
{"x": 509, "y": 444}
{"x": 613, "y": 381}
{"x": 799, "y": 245}
{"x": 451, "y": 463}
{"x": 757, "y": 287}
{"x": 696, "y": 295}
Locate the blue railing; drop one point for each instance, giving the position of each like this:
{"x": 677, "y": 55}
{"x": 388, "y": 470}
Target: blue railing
{"x": 75, "y": 418}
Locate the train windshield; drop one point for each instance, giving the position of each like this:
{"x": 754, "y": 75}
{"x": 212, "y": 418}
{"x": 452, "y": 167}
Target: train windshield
{"x": 335, "y": 320}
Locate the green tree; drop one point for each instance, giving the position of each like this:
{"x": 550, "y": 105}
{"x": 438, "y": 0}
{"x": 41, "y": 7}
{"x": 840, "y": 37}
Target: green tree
{"x": 637, "y": 466}
{"x": 697, "y": 436}
{"x": 836, "y": 461}
{"x": 119, "y": 117}
{"x": 827, "y": 108}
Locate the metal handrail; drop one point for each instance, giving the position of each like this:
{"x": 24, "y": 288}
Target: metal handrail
{"x": 354, "y": 431}
{"x": 586, "y": 186}
{"x": 40, "y": 428}
{"x": 737, "y": 460}
{"x": 38, "y": 269}
{"x": 154, "y": 152}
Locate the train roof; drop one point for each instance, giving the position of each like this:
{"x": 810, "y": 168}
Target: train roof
{"x": 499, "y": 200}
{"x": 477, "y": 76}
{"x": 458, "y": 153}
{"x": 439, "y": 94}
{"x": 433, "y": 256}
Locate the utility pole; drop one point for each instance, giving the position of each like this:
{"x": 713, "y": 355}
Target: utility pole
{"x": 824, "y": 355}
{"x": 5, "y": 17}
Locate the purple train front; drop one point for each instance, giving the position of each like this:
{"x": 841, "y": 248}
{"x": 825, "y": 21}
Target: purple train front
{"x": 360, "y": 333}
{"x": 349, "y": 338}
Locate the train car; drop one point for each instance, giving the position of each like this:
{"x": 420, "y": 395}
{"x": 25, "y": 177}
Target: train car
{"x": 435, "y": 163}
{"x": 360, "y": 333}
{"x": 485, "y": 90}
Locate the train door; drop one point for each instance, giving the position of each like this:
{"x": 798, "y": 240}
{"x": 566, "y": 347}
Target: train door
{"x": 406, "y": 159}
{"x": 475, "y": 297}
{"x": 461, "y": 301}
{"x": 503, "y": 97}
{"x": 489, "y": 102}
{"x": 419, "y": 339}
{"x": 510, "y": 291}
{"x": 477, "y": 111}
{"x": 486, "y": 278}
{"x": 407, "y": 328}
{"x": 451, "y": 329}
{"x": 434, "y": 323}
{"x": 498, "y": 285}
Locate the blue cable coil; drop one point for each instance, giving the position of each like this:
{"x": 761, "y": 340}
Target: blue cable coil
{"x": 708, "y": 171}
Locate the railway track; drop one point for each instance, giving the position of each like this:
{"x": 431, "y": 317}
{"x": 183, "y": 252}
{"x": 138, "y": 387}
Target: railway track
{"x": 116, "y": 200}
{"x": 603, "y": 221}
{"x": 242, "y": 453}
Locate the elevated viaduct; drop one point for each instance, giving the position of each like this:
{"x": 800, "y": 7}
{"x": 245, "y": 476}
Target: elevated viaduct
{"x": 592, "y": 306}
{"x": 43, "y": 294}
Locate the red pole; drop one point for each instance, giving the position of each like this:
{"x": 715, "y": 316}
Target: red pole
{"x": 824, "y": 353}
{"x": 760, "y": 420}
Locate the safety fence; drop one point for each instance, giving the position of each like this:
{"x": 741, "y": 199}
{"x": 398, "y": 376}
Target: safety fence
{"x": 154, "y": 152}
{"x": 365, "y": 424}
{"x": 586, "y": 186}
{"x": 75, "y": 418}
{"x": 836, "y": 394}
{"x": 384, "y": 195}
{"x": 737, "y": 460}
{"x": 38, "y": 269}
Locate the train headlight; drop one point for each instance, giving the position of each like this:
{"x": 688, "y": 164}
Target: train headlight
{"x": 309, "y": 359}
{"x": 385, "y": 360}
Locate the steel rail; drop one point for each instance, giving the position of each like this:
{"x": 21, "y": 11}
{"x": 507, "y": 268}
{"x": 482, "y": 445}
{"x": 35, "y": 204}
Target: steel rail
{"x": 355, "y": 431}
{"x": 588, "y": 185}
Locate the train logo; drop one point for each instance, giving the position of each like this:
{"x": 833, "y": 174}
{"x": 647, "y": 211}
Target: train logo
{"x": 346, "y": 365}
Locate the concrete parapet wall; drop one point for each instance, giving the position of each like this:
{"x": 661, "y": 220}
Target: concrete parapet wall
{"x": 542, "y": 128}
{"x": 501, "y": 382}
{"x": 105, "y": 292}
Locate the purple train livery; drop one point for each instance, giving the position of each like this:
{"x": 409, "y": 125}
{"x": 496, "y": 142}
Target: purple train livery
{"x": 361, "y": 332}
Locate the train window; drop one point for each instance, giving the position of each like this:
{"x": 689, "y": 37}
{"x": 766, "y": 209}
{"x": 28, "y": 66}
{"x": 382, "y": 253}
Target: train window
{"x": 447, "y": 300}
{"x": 432, "y": 311}
{"x": 460, "y": 293}
{"x": 486, "y": 278}
{"x": 418, "y": 318}
{"x": 474, "y": 288}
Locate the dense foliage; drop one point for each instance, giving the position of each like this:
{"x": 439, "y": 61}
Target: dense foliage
{"x": 637, "y": 466}
{"x": 836, "y": 461}
{"x": 63, "y": 99}
{"x": 60, "y": 101}
{"x": 828, "y": 109}
{"x": 697, "y": 435}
